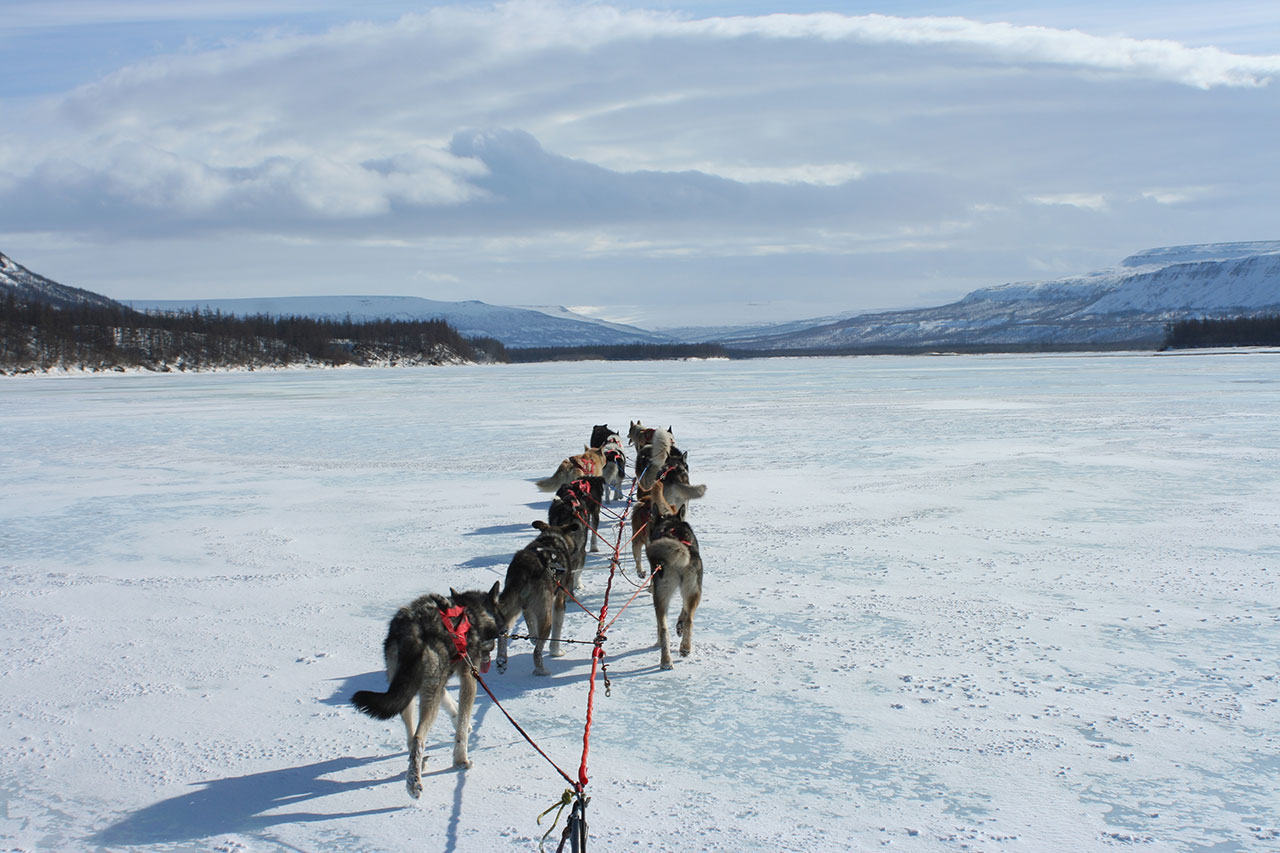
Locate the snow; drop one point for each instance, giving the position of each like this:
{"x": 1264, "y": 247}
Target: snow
{"x": 951, "y": 603}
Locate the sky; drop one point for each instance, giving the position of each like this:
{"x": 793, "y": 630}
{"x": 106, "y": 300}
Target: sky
{"x": 806, "y": 158}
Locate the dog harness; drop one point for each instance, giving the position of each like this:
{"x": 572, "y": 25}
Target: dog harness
{"x": 457, "y": 624}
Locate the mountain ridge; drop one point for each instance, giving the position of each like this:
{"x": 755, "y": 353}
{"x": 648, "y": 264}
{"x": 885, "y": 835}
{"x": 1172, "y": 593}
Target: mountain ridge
{"x": 1127, "y": 305}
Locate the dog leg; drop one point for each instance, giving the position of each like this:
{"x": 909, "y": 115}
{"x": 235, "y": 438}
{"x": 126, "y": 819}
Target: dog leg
{"x": 410, "y": 717}
{"x": 684, "y": 625}
{"x": 501, "y": 660}
{"x": 413, "y": 781}
{"x": 430, "y": 701}
{"x": 661, "y": 599}
{"x": 446, "y": 701}
{"x": 636, "y": 547}
{"x": 466, "y": 701}
{"x": 557, "y": 625}
{"x": 543, "y": 621}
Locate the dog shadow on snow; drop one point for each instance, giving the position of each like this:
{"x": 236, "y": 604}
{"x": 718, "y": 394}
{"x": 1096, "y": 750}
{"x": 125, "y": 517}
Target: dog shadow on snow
{"x": 239, "y": 804}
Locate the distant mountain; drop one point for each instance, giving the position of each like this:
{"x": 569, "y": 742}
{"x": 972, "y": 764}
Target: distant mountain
{"x": 33, "y": 288}
{"x": 513, "y": 327}
{"x": 1126, "y": 306}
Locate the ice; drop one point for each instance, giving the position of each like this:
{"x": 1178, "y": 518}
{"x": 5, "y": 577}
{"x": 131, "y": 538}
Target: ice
{"x": 973, "y": 602}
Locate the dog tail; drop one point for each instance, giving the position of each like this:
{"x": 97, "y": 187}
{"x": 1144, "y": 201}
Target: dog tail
{"x": 683, "y": 494}
{"x": 555, "y": 481}
{"x": 659, "y": 449}
{"x": 404, "y": 684}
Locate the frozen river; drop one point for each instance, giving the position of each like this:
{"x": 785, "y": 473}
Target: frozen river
{"x": 982, "y": 602}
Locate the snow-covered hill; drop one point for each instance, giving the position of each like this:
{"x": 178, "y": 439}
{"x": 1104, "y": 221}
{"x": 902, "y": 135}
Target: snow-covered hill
{"x": 514, "y": 327}
{"x": 27, "y": 286}
{"x": 1127, "y": 305}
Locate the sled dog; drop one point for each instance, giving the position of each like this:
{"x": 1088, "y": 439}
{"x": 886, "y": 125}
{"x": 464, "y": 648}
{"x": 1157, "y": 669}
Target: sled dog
{"x": 676, "y": 564}
{"x": 638, "y": 436}
{"x": 600, "y": 434}
{"x": 429, "y": 640}
{"x": 671, "y": 491}
{"x": 652, "y": 458}
{"x": 588, "y": 463}
{"x": 579, "y": 501}
{"x": 535, "y": 588}
{"x": 615, "y": 468}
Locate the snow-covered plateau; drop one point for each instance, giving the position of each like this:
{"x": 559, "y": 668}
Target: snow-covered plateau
{"x": 1000, "y": 603}
{"x": 1127, "y": 306}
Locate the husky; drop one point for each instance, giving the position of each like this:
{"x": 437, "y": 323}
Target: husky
{"x": 676, "y": 564}
{"x": 650, "y": 505}
{"x": 600, "y": 435}
{"x": 579, "y": 501}
{"x": 671, "y": 491}
{"x": 615, "y": 467}
{"x": 429, "y": 640}
{"x": 652, "y": 458}
{"x": 535, "y": 587}
{"x": 638, "y": 436}
{"x": 588, "y": 463}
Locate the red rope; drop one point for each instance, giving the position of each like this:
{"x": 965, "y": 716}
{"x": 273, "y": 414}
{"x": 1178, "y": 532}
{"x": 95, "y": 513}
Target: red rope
{"x": 597, "y": 653}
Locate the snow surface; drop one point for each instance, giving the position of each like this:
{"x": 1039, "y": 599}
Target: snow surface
{"x": 951, "y": 603}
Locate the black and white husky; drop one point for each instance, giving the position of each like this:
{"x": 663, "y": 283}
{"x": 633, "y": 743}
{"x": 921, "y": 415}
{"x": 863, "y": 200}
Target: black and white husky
{"x": 676, "y": 563}
{"x": 429, "y": 640}
{"x": 535, "y": 587}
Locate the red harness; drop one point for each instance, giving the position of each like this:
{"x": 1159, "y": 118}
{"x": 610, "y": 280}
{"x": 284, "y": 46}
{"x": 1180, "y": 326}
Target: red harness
{"x": 457, "y": 624}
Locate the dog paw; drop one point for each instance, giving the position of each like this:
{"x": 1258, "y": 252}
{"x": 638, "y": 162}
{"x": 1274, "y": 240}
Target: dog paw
{"x": 542, "y": 672}
{"x": 557, "y": 653}
{"x": 666, "y": 664}
{"x": 464, "y": 764}
{"x": 415, "y": 787}
{"x": 684, "y": 652}
{"x": 502, "y": 665}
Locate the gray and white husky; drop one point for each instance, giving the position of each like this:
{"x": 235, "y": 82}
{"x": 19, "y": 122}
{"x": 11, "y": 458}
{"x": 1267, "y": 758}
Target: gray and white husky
{"x": 535, "y": 586}
{"x": 676, "y": 563}
{"x": 615, "y": 467}
{"x": 426, "y": 643}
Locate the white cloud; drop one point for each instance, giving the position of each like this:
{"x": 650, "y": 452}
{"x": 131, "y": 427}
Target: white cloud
{"x": 584, "y": 136}
{"x": 1085, "y": 201}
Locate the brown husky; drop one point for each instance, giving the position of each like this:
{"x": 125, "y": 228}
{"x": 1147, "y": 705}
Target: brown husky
{"x": 588, "y": 463}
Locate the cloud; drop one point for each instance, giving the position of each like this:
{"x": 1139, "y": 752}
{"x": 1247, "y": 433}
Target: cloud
{"x": 549, "y": 134}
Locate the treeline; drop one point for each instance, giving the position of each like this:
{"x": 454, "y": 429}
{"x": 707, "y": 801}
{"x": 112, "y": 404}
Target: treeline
{"x": 617, "y": 352}
{"x": 38, "y": 336}
{"x": 1261, "y": 330}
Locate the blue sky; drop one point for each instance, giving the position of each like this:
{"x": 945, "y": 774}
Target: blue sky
{"x": 838, "y": 157}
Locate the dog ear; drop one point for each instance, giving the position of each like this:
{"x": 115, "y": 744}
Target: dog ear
{"x": 453, "y": 593}
{"x": 494, "y": 593}
{"x": 680, "y": 511}
{"x": 540, "y": 524}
